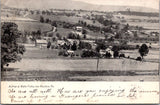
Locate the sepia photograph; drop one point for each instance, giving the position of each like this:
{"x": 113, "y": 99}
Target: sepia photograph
{"x": 80, "y": 40}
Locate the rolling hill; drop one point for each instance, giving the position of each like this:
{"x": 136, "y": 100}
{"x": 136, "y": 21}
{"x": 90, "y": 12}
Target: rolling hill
{"x": 70, "y": 4}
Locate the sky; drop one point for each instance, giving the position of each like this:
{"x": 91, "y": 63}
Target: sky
{"x": 144, "y": 3}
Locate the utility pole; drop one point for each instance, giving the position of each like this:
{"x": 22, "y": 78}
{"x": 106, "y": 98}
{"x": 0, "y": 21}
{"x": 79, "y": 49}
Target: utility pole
{"x": 97, "y": 62}
{"x": 98, "y": 55}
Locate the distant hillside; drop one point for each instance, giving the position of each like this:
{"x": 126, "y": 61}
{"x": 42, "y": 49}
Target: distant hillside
{"x": 149, "y": 14}
{"x": 4, "y": 6}
{"x": 69, "y": 4}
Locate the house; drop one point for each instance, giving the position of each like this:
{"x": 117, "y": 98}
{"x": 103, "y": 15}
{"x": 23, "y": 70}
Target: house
{"x": 116, "y": 42}
{"x": 60, "y": 42}
{"x": 102, "y": 53}
{"x": 79, "y": 28}
{"x": 77, "y": 33}
{"x": 70, "y": 52}
{"x": 71, "y": 41}
{"x": 41, "y": 43}
{"x": 108, "y": 50}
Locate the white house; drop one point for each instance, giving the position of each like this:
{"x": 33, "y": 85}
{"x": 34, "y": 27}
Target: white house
{"x": 79, "y": 28}
{"x": 40, "y": 43}
{"x": 60, "y": 42}
{"x": 110, "y": 51}
{"x": 70, "y": 52}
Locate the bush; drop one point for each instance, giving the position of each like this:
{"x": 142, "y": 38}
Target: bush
{"x": 84, "y": 45}
{"x": 108, "y": 55}
{"x": 139, "y": 58}
{"x": 74, "y": 47}
{"x": 137, "y": 46}
{"x": 73, "y": 36}
{"x": 122, "y": 55}
{"x": 89, "y": 53}
{"x": 143, "y": 50}
{"x": 41, "y": 19}
{"x": 116, "y": 54}
{"x": 101, "y": 46}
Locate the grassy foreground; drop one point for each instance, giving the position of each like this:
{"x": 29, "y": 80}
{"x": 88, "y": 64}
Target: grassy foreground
{"x": 11, "y": 75}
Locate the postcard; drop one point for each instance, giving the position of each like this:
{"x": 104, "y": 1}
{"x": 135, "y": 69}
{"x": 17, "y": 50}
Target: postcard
{"x": 80, "y": 51}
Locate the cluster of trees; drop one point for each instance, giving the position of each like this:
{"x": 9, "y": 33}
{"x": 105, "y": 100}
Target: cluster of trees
{"x": 89, "y": 53}
{"x": 107, "y": 23}
{"x": 89, "y": 26}
{"x": 57, "y": 13}
{"x": 144, "y": 39}
{"x": 84, "y": 24}
{"x": 11, "y": 51}
{"x": 77, "y": 36}
{"x": 42, "y": 20}
{"x": 50, "y": 12}
{"x": 36, "y": 34}
{"x": 84, "y": 45}
{"x": 108, "y": 15}
{"x": 153, "y": 21}
{"x": 75, "y": 46}
{"x": 68, "y": 25}
{"x": 73, "y": 36}
{"x": 57, "y": 23}
{"x": 149, "y": 14}
{"x": 104, "y": 21}
{"x": 58, "y": 36}
{"x": 143, "y": 50}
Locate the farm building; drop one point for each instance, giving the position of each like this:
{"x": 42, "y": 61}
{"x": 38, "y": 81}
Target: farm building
{"x": 108, "y": 50}
{"x": 79, "y": 29}
{"x": 71, "y": 41}
{"x": 77, "y": 33}
{"x": 60, "y": 42}
{"x": 40, "y": 43}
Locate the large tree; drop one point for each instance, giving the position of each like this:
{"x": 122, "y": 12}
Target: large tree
{"x": 143, "y": 50}
{"x": 11, "y": 51}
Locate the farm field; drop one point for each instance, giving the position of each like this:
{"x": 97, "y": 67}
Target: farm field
{"x": 153, "y": 55}
{"x": 145, "y": 25}
{"x": 28, "y": 24}
{"x": 33, "y": 26}
{"x": 37, "y": 53}
{"x": 128, "y": 17}
{"x": 44, "y": 65}
{"x": 43, "y": 75}
{"x": 148, "y": 25}
{"x": 63, "y": 31}
{"x": 70, "y": 19}
{"x": 44, "y": 59}
{"x": 83, "y": 65}
{"x": 11, "y": 18}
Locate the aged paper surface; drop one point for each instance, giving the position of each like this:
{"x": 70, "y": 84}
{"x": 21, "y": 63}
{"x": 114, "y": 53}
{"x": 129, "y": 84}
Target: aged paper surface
{"x": 79, "y": 51}
{"x": 80, "y": 92}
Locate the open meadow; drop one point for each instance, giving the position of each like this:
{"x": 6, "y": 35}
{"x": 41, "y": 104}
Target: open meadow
{"x": 44, "y": 64}
{"x": 33, "y": 26}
